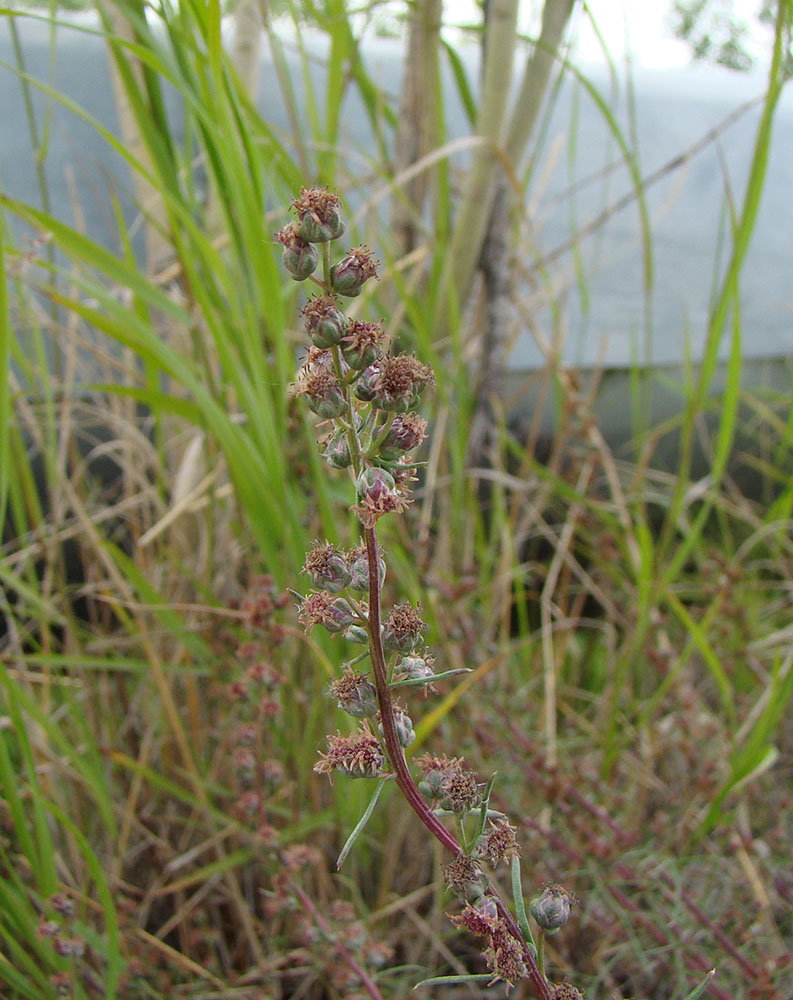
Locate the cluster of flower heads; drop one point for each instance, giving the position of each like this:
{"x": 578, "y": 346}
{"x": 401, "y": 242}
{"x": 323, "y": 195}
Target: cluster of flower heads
{"x": 368, "y": 396}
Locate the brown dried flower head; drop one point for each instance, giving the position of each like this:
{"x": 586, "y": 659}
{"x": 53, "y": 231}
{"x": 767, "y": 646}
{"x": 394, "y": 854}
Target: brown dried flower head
{"x": 362, "y": 343}
{"x": 356, "y": 756}
{"x": 403, "y": 629}
{"x": 319, "y": 215}
{"x": 505, "y": 956}
{"x": 327, "y": 567}
{"x": 499, "y": 844}
{"x": 564, "y": 991}
{"x": 317, "y": 380}
{"x": 436, "y": 772}
{"x": 401, "y": 380}
{"x": 481, "y": 919}
{"x": 461, "y": 874}
{"x": 354, "y": 694}
{"x": 460, "y": 792}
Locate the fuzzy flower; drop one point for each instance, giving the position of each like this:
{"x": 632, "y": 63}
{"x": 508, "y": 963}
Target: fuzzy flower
{"x": 463, "y": 876}
{"x": 325, "y": 322}
{"x": 321, "y": 608}
{"x": 318, "y": 382}
{"x": 361, "y": 345}
{"x": 505, "y": 956}
{"x": 377, "y": 495}
{"x": 436, "y": 771}
{"x": 354, "y": 694}
{"x": 564, "y": 991}
{"x": 480, "y": 920}
{"x": 319, "y": 215}
{"x": 403, "y": 628}
{"x": 461, "y": 792}
{"x": 355, "y": 756}
{"x": 400, "y": 382}
{"x": 406, "y": 433}
{"x": 327, "y": 567}
{"x": 348, "y": 276}
{"x": 300, "y": 258}
{"x": 499, "y": 843}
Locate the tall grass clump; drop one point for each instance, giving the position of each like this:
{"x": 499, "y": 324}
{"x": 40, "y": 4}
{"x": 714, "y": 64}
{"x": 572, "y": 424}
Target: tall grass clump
{"x": 610, "y": 637}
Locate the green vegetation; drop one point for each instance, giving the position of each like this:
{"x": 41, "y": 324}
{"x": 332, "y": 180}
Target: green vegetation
{"x": 627, "y": 631}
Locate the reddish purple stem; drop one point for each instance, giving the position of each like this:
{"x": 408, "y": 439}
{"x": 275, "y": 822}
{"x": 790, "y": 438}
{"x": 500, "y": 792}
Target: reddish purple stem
{"x": 404, "y": 779}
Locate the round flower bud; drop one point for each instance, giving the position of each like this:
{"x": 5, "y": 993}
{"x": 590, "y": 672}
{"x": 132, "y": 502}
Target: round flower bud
{"x": 361, "y": 344}
{"x": 366, "y": 384}
{"x": 406, "y": 432}
{"x": 319, "y": 215}
{"x": 404, "y": 727}
{"x": 300, "y": 258}
{"x": 551, "y": 909}
{"x": 357, "y": 633}
{"x": 358, "y": 564}
{"x": 348, "y": 276}
{"x": 417, "y": 666}
{"x": 325, "y": 322}
{"x": 354, "y": 694}
{"x": 337, "y": 450}
{"x": 327, "y": 567}
{"x": 374, "y": 482}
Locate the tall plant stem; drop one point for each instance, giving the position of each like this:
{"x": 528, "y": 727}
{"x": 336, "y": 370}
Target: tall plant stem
{"x": 396, "y": 754}
{"x": 404, "y": 779}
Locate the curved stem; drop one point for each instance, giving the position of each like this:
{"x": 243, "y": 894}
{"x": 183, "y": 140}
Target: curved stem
{"x": 393, "y": 747}
{"x": 404, "y": 779}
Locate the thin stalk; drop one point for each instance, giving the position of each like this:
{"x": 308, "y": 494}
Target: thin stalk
{"x": 404, "y": 779}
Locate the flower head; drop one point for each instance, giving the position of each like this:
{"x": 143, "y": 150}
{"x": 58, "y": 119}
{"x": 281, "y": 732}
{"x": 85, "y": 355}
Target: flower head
{"x": 319, "y": 215}
{"x": 361, "y": 345}
{"x": 551, "y": 909}
{"x": 406, "y": 432}
{"x": 354, "y": 694}
{"x": 505, "y": 956}
{"x": 377, "y": 495}
{"x": 499, "y": 843}
{"x": 300, "y": 258}
{"x": 327, "y": 567}
{"x": 400, "y": 382}
{"x": 318, "y": 382}
{"x": 403, "y": 629}
{"x": 348, "y": 276}
{"x": 325, "y": 322}
{"x": 356, "y": 756}
{"x": 322, "y": 608}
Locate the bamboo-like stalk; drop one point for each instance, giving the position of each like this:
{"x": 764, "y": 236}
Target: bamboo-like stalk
{"x": 506, "y": 139}
{"x": 158, "y": 248}
{"x": 417, "y": 129}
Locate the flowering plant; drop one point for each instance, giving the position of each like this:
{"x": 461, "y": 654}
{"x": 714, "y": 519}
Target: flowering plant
{"x": 367, "y": 400}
